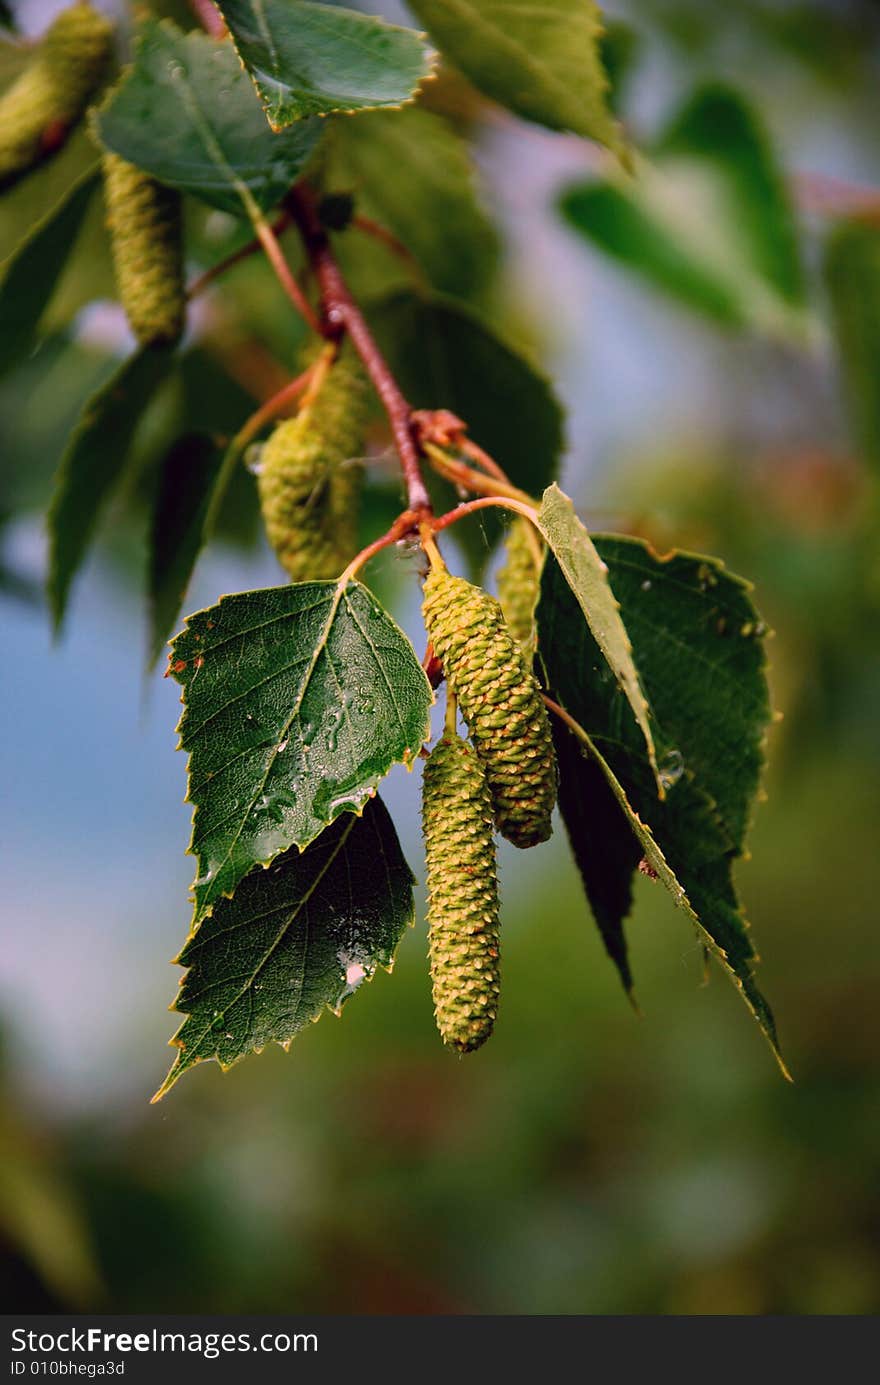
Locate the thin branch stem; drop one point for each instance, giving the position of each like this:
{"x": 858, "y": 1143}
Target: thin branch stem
{"x": 209, "y": 17}
{"x": 275, "y": 255}
{"x": 474, "y": 480}
{"x": 243, "y": 253}
{"x": 432, "y": 552}
{"x": 483, "y": 459}
{"x": 273, "y": 408}
{"x": 830, "y": 196}
{"x": 573, "y": 726}
{"x": 403, "y": 525}
{"x": 342, "y": 314}
{"x": 471, "y": 506}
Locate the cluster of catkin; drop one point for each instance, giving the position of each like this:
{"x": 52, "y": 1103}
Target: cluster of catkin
{"x": 504, "y": 778}
{"x": 37, "y": 114}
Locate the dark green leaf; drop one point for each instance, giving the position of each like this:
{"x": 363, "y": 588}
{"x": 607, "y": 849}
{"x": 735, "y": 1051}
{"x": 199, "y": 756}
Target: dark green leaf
{"x": 852, "y": 270}
{"x": 403, "y": 168}
{"x": 605, "y": 849}
{"x": 187, "y": 113}
{"x": 697, "y": 642}
{"x": 445, "y": 356}
{"x": 314, "y": 59}
{"x": 93, "y": 462}
{"x": 709, "y": 221}
{"x": 587, "y": 576}
{"x": 32, "y": 272}
{"x": 216, "y": 405}
{"x": 540, "y": 60}
{"x": 294, "y": 940}
{"x": 189, "y": 471}
{"x": 298, "y": 700}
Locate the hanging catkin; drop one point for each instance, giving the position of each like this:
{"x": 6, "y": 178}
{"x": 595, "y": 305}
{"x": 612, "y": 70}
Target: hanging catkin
{"x": 501, "y": 703}
{"x": 519, "y": 579}
{"x": 146, "y": 234}
{"x": 462, "y": 894}
{"x": 48, "y": 98}
{"x": 308, "y": 482}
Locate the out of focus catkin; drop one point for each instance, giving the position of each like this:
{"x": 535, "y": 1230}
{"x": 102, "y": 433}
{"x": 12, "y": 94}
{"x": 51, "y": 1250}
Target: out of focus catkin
{"x": 43, "y": 104}
{"x": 146, "y": 235}
{"x": 310, "y": 480}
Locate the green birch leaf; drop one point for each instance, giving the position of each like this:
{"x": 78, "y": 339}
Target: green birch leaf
{"x": 852, "y": 272}
{"x": 541, "y": 61}
{"x": 403, "y": 166}
{"x": 708, "y": 221}
{"x": 32, "y": 272}
{"x": 188, "y": 114}
{"x": 697, "y": 641}
{"x": 177, "y": 531}
{"x": 587, "y": 576}
{"x": 605, "y": 849}
{"x": 314, "y": 59}
{"x": 297, "y": 701}
{"x": 445, "y": 356}
{"x": 93, "y": 463}
{"x": 295, "y": 939}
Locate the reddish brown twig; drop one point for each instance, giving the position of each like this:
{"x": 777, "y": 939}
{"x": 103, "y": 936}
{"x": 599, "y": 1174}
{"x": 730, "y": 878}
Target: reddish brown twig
{"x": 209, "y": 17}
{"x": 405, "y": 524}
{"x": 472, "y": 479}
{"x": 341, "y": 314}
{"x": 272, "y": 408}
{"x": 470, "y": 507}
{"x": 275, "y": 255}
{"x": 830, "y": 196}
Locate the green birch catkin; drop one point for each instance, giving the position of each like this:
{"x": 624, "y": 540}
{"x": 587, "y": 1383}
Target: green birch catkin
{"x": 519, "y": 579}
{"x": 462, "y": 894}
{"x": 501, "y": 703}
{"x": 309, "y": 485}
{"x": 146, "y": 236}
{"x": 48, "y": 98}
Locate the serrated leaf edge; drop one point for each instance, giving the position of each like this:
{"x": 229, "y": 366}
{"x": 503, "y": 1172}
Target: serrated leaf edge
{"x": 407, "y": 759}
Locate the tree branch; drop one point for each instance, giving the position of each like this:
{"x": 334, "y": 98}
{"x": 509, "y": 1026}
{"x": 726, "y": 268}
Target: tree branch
{"x": 341, "y": 314}
{"x": 209, "y": 17}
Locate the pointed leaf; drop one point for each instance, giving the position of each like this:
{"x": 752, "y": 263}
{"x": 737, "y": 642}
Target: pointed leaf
{"x": 852, "y": 271}
{"x": 294, "y": 940}
{"x": 540, "y": 60}
{"x": 32, "y": 272}
{"x": 605, "y": 849}
{"x": 696, "y": 638}
{"x": 188, "y": 114}
{"x": 587, "y": 575}
{"x": 298, "y": 700}
{"x": 189, "y": 473}
{"x": 93, "y": 463}
{"x": 401, "y": 167}
{"x": 314, "y": 59}
{"x": 709, "y": 221}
